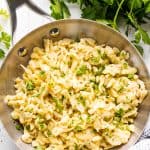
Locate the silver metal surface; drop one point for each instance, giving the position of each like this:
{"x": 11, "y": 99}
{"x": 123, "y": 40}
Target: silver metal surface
{"x": 76, "y": 29}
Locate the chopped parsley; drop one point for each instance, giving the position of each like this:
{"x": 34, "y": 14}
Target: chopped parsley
{"x": 76, "y": 147}
{"x": 42, "y": 73}
{"x": 39, "y": 148}
{"x": 63, "y": 74}
{"x": 89, "y": 119}
{"x": 42, "y": 126}
{"x": 51, "y": 83}
{"x": 59, "y": 104}
{"x": 103, "y": 55}
{"x": 125, "y": 65}
{"x": 78, "y": 129}
{"x": 95, "y": 86}
{"x": 81, "y": 100}
{"x": 123, "y": 54}
{"x": 119, "y": 113}
{"x": 81, "y": 70}
{"x": 121, "y": 89}
{"x": 100, "y": 70}
{"x": 130, "y": 76}
{"x": 95, "y": 60}
{"x": 49, "y": 133}
{"x": 19, "y": 127}
{"x": 27, "y": 127}
{"x": 30, "y": 85}
{"x": 40, "y": 92}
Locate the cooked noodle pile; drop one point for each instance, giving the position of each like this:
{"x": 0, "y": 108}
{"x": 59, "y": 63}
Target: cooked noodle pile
{"x": 77, "y": 95}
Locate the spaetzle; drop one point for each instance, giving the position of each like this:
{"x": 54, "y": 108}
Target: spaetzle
{"x": 77, "y": 95}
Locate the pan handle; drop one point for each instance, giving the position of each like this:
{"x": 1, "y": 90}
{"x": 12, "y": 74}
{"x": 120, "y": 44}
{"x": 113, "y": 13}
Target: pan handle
{"x": 14, "y": 5}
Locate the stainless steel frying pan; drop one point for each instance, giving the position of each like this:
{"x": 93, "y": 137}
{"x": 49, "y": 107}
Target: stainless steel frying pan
{"x": 76, "y": 29}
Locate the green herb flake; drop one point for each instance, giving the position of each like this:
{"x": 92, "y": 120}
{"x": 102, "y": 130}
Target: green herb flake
{"x": 30, "y": 85}
{"x": 39, "y": 148}
{"x": 49, "y": 133}
{"x": 125, "y": 65}
{"x": 41, "y": 73}
{"x": 59, "y": 104}
{"x": 78, "y": 129}
{"x": 119, "y": 113}
{"x": 51, "y": 83}
{"x": 27, "y": 127}
{"x": 121, "y": 89}
{"x": 95, "y": 60}
{"x": 76, "y": 147}
{"x": 95, "y": 86}
{"x": 42, "y": 126}
{"x": 40, "y": 92}
{"x": 81, "y": 70}
{"x": 81, "y": 100}
{"x": 19, "y": 127}
{"x": 100, "y": 70}
{"x": 130, "y": 76}
{"x": 89, "y": 119}
{"x": 63, "y": 75}
{"x": 123, "y": 54}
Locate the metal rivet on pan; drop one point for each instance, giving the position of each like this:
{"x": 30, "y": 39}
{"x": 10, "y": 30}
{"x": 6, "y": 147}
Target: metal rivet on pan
{"x": 22, "y": 51}
{"x": 54, "y": 32}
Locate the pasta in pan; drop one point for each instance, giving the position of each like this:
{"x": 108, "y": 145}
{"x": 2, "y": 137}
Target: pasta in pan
{"x": 77, "y": 95}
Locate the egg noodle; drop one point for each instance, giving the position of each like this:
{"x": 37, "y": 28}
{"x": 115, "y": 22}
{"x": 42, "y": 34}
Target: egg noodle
{"x": 77, "y": 96}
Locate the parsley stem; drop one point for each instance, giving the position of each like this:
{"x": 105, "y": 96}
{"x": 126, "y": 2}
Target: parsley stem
{"x": 116, "y": 15}
{"x": 132, "y": 6}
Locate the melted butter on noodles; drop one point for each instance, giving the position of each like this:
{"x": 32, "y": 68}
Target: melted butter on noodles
{"x": 77, "y": 95}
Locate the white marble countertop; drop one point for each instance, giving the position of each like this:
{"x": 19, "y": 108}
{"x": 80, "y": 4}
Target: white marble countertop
{"x": 29, "y": 20}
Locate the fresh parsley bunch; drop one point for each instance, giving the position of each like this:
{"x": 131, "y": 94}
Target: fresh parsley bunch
{"x": 134, "y": 12}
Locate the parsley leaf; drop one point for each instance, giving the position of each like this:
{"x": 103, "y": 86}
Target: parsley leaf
{"x": 139, "y": 48}
{"x": 6, "y": 39}
{"x": 137, "y": 36}
{"x": 147, "y": 7}
{"x": 135, "y": 4}
{"x": 4, "y": 13}
{"x": 145, "y": 36}
{"x": 109, "y": 2}
{"x": 2, "y": 53}
{"x": 59, "y": 9}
